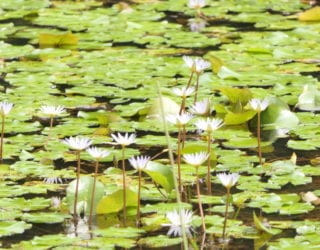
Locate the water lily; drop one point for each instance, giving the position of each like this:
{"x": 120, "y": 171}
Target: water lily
{"x": 97, "y": 154}
{"x": 227, "y": 180}
{"x": 196, "y": 4}
{"x": 52, "y": 110}
{"x": 201, "y": 107}
{"x": 197, "y": 24}
{"x": 5, "y": 108}
{"x": 258, "y": 104}
{"x": 139, "y": 163}
{"x": 197, "y": 65}
{"x": 179, "y": 220}
{"x": 53, "y": 180}
{"x": 209, "y": 124}
{"x": 196, "y": 160}
{"x": 78, "y": 142}
{"x": 179, "y": 120}
{"x": 183, "y": 92}
{"x": 124, "y": 140}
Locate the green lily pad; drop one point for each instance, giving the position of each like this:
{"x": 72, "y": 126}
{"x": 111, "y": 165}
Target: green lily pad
{"x": 8, "y": 228}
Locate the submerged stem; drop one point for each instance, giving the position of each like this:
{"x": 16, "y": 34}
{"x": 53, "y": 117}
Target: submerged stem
{"x": 124, "y": 188}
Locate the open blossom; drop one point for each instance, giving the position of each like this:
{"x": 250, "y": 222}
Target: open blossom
{"x": 53, "y": 180}
{"x": 196, "y": 4}
{"x": 78, "y": 143}
{"x": 196, "y": 65}
{"x": 258, "y": 104}
{"x": 196, "y": 159}
{"x": 139, "y": 162}
{"x": 183, "y": 92}
{"x": 228, "y": 180}
{"x": 98, "y": 153}
{"x": 5, "y": 108}
{"x": 208, "y": 124}
{"x": 201, "y": 108}
{"x": 197, "y": 24}
{"x": 179, "y": 120}
{"x": 124, "y": 140}
{"x": 177, "y": 220}
{"x": 52, "y": 110}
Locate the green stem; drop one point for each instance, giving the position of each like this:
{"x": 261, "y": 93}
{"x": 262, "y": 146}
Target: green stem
{"x": 259, "y": 138}
{"x": 124, "y": 188}
{"x": 77, "y": 185}
{"x": 50, "y": 132}
{"x": 1, "y": 140}
{"x": 93, "y": 191}
{"x": 183, "y": 105}
{"x": 199, "y": 200}
{"x": 190, "y": 79}
{"x": 139, "y": 195}
{"x": 209, "y": 164}
{"x": 226, "y": 215}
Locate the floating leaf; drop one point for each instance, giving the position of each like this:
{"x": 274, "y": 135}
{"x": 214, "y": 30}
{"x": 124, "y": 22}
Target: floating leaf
{"x": 13, "y": 227}
{"x": 310, "y": 15}
{"x": 57, "y": 40}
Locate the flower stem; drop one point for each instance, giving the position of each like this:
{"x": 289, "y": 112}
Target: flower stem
{"x": 209, "y": 164}
{"x": 124, "y": 188}
{"x": 50, "y": 132}
{"x": 226, "y": 214}
{"x": 77, "y": 185}
{"x": 139, "y": 195}
{"x": 199, "y": 200}
{"x": 259, "y": 138}
{"x": 93, "y": 191}
{"x": 1, "y": 140}
{"x": 183, "y": 105}
{"x": 196, "y": 89}
{"x": 190, "y": 79}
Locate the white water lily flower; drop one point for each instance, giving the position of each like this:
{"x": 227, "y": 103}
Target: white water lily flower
{"x": 196, "y": 159}
{"x": 5, "y": 108}
{"x": 183, "y": 92}
{"x": 53, "y": 180}
{"x": 139, "y": 162}
{"x": 177, "y": 220}
{"x": 78, "y": 143}
{"x": 98, "y": 153}
{"x": 197, "y": 24}
{"x": 179, "y": 120}
{"x": 196, "y": 4}
{"x": 196, "y": 65}
{"x": 124, "y": 140}
{"x": 258, "y": 104}
{"x": 208, "y": 124}
{"x": 201, "y": 108}
{"x": 228, "y": 180}
{"x": 52, "y": 110}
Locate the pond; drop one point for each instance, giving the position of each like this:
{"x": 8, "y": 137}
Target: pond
{"x": 148, "y": 124}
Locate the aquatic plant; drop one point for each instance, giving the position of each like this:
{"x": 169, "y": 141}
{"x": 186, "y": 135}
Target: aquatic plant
{"x": 124, "y": 140}
{"x": 52, "y": 112}
{"x": 259, "y": 105}
{"x": 98, "y": 154}
{"x": 5, "y": 108}
{"x": 209, "y": 125}
{"x": 228, "y": 181}
{"x": 196, "y": 160}
{"x": 139, "y": 163}
{"x": 180, "y": 122}
{"x": 178, "y": 220}
{"x": 183, "y": 92}
{"x": 78, "y": 144}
